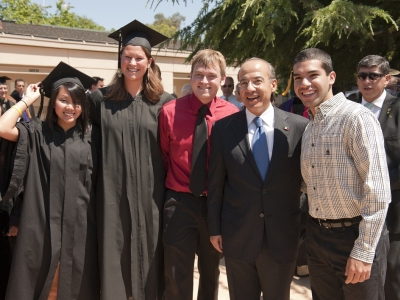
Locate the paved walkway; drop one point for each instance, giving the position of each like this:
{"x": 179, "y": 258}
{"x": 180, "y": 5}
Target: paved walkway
{"x": 300, "y": 288}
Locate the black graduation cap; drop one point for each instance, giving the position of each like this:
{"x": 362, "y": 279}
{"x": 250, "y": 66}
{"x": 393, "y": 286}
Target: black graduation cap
{"x": 136, "y": 34}
{"x": 61, "y": 74}
{"x": 3, "y": 79}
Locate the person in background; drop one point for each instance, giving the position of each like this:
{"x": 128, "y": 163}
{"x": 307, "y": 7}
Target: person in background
{"x": 6, "y": 101}
{"x": 186, "y": 89}
{"x": 373, "y": 75}
{"x": 343, "y": 164}
{"x": 99, "y": 83}
{"x": 19, "y": 91}
{"x": 393, "y": 85}
{"x": 131, "y": 183}
{"x": 294, "y": 105}
{"x": 185, "y": 125}
{"x": 227, "y": 91}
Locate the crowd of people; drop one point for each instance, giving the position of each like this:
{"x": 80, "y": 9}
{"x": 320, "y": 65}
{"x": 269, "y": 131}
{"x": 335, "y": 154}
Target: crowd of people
{"x": 118, "y": 189}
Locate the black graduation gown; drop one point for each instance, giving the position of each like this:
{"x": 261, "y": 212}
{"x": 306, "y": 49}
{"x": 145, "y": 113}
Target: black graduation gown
{"x": 6, "y": 158}
{"x": 131, "y": 196}
{"x": 58, "y": 220}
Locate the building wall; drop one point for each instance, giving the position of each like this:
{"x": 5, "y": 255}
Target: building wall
{"x": 32, "y": 58}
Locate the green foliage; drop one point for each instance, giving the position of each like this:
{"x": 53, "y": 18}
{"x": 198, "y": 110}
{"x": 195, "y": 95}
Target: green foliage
{"x": 25, "y": 12}
{"x": 167, "y": 26}
{"x": 276, "y": 30}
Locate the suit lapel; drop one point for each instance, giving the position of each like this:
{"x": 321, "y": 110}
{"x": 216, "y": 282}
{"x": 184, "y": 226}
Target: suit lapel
{"x": 386, "y": 106}
{"x": 280, "y": 141}
{"x": 240, "y": 131}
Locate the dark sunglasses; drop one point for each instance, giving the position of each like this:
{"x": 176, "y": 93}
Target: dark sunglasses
{"x": 227, "y": 85}
{"x": 372, "y": 76}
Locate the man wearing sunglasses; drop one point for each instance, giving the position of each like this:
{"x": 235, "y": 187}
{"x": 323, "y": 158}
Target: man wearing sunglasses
{"x": 372, "y": 78}
{"x": 227, "y": 91}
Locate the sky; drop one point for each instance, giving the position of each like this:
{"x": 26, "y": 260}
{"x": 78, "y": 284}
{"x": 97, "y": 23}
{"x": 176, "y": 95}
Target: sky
{"x": 117, "y": 13}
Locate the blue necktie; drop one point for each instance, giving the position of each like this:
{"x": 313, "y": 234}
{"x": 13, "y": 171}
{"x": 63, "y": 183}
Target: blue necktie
{"x": 369, "y": 105}
{"x": 260, "y": 148}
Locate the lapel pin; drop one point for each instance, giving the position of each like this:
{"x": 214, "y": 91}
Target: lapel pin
{"x": 286, "y": 128}
{"x": 388, "y": 111}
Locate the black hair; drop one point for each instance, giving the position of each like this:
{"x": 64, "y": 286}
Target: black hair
{"x": 97, "y": 79}
{"x": 19, "y": 79}
{"x": 374, "y": 61}
{"x": 317, "y": 54}
{"x": 78, "y": 96}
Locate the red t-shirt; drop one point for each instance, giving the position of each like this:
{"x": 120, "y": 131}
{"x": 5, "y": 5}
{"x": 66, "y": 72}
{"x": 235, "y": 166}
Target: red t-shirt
{"x": 177, "y": 124}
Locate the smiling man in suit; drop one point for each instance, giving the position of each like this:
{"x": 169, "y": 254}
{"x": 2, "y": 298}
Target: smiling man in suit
{"x": 372, "y": 78}
{"x": 254, "y": 189}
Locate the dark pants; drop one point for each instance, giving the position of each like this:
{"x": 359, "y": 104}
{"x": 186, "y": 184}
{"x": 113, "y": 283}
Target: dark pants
{"x": 328, "y": 251}
{"x": 5, "y": 254}
{"x": 302, "y": 255}
{"x": 186, "y": 234}
{"x": 246, "y": 280}
{"x": 392, "y": 284}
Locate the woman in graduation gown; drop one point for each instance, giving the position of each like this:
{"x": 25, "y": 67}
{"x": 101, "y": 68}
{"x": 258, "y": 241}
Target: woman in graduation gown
{"x": 131, "y": 181}
{"x": 55, "y": 160}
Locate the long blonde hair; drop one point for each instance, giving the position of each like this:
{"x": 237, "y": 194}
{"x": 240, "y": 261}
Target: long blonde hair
{"x": 151, "y": 83}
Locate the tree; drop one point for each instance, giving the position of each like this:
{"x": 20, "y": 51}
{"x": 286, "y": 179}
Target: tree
{"x": 167, "y": 26}
{"x": 25, "y": 12}
{"x": 277, "y": 30}
{"x": 64, "y": 17}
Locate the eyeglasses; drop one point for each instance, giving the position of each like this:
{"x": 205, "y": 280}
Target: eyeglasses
{"x": 227, "y": 85}
{"x": 371, "y": 76}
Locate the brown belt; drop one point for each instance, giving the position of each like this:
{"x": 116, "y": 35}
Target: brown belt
{"x": 337, "y": 223}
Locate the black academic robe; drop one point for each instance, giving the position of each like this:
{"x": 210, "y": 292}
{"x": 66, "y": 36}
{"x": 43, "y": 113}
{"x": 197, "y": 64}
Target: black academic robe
{"x": 131, "y": 196}
{"x": 5, "y": 105}
{"x": 6, "y": 153}
{"x": 58, "y": 223}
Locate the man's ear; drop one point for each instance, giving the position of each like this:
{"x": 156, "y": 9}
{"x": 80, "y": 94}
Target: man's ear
{"x": 332, "y": 78}
{"x": 274, "y": 85}
{"x": 223, "y": 80}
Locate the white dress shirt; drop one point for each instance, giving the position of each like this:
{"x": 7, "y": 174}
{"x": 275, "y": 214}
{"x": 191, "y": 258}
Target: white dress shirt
{"x": 376, "y": 109}
{"x": 232, "y": 99}
{"x": 268, "y": 118}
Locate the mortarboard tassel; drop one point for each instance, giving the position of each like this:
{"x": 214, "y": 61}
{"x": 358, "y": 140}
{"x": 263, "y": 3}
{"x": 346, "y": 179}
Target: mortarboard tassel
{"x": 41, "y": 103}
{"x": 289, "y": 84}
{"x": 119, "y": 55}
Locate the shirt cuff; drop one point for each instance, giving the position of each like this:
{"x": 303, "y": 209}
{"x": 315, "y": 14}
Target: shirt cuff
{"x": 361, "y": 254}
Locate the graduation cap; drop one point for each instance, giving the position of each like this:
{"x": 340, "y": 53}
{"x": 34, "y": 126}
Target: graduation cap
{"x": 136, "y": 34}
{"x": 3, "y": 79}
{"x": 60, "y": 75}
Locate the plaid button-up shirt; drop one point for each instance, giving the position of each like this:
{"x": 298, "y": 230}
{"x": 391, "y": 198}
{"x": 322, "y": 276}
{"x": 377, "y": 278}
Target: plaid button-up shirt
{"x": 343, "y": 163}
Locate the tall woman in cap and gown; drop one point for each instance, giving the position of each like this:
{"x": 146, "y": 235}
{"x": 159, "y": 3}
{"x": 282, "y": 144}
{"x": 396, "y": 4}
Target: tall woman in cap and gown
{"x": 55, "y": 254}
{"x": 131, "y": 186}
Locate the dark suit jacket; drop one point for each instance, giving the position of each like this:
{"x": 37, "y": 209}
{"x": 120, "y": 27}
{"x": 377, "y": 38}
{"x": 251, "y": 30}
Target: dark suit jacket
{"x": 390, "y": 124}
{"x": 241, "y": 206}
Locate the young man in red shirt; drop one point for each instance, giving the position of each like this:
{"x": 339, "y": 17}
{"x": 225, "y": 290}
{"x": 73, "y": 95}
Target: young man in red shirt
{"x": 185, "y": 125}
